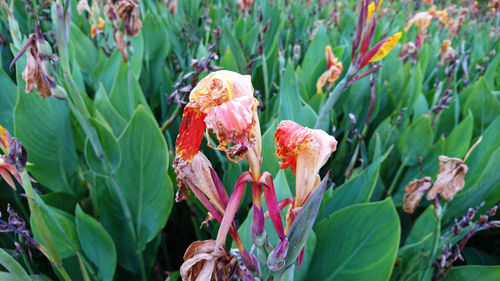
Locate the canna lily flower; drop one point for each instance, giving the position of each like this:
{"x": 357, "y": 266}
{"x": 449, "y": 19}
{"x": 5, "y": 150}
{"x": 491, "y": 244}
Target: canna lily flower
{"x": 93, "y": 31}
{"x": 422, "y": 20}
{"x": 305, "y": 151}
{"x": 100, "y": 23}
{"x": 222, "y": 103}
{"x": 8, "y": 160}
{"x": 334, "y": 69}
{"x": 447, "y": 52}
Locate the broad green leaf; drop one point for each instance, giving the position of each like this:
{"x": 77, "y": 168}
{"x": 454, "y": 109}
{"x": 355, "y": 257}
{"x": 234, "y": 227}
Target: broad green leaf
{"x": 142, "y": 180}
{"x": 16, "y": 270}
{"x": 269, "y": 161}
{"x": 156, "y": 45}
{"x": 292, "y": 107}
{"x": 126, "y": 93}
{"x": 473, "y": 272}
{"x": 85, "y": 53}
{"x": 97, "y": 244}
{"x": 43, "y": 126}
{"x": 227, "y": 40}
{"x": 458, "y": 142}
{"x": 110, "y": 159}
{"x": 109, "y": 112}
{"x": 352, "y": 245}
{"x": 483, "y": 104}
{"x": 65, "y": 243}
{"x": 8, "y": 96}
{"x": 356, "y": 190}
{"x": 416, "y": 141}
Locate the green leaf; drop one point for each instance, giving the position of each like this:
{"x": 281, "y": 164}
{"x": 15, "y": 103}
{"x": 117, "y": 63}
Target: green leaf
{"x": 16, "y": 270}
{"x": 66, "y": 242}
{"x": 8, "y": 96}
{"x": 303, "y": 223}
{"x": 43, "y": 126}
{"x": 483, "y": 105}
{"x": 85, "y": 53}
{"x": 357, "y": 246}
{"x": 457, "y": 143}
{"x": 156, "y": 45}
{"x": 126, "y": 93}
{"x": 473, "y": 272}
{"x": 356, "y": 190}
{"x": 269, "y": 161}
{"x": 416, "y": 141}
{"x": 143, "y": 182}
{"x": 292, "y": 107}
{"x": 108, "y": 112}
{"x": 110, "y": 160}
{"x": 97, "y": 244}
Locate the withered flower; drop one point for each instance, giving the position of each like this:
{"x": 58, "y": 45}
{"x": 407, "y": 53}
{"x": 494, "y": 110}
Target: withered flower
{"x": 128, "y": 12}
{"x": 12, "y": 158}
{"x": 407, "y": 50}
{"x": 447, "y": 52}
{"x": 172, "y": 6}
{"x": 414, "y": 192}
{"x": 83, "y": 6}
{"x": 203, "y": 260}
{"x": 222, "y": 103}
{"x": 450, "y": 179}
{"x": 120, "y": 44}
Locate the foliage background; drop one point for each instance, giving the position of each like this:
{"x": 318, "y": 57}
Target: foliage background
{"x": 360, "y": 232}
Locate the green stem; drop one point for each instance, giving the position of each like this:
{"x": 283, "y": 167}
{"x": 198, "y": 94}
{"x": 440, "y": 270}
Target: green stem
{"x": 171, "y": 119}
{"x": 396, "y": 178}
{"x": 322, "y": 121}
{"x": 438, "y": 212}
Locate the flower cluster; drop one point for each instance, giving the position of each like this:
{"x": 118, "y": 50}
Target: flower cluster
{"x": 222, "y": 105}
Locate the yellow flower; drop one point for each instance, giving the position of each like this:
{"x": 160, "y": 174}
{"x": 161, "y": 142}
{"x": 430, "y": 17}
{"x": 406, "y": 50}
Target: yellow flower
{"x": 372, "y": 9}
{"x": 100, "y": 23}
{"x": 422, "y": 20}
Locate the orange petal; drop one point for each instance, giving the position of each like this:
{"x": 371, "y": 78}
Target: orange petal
{"x": 4, "y": 138}
{"x": 322, "y": 81}
{"x": 386, "y": 47}
{"x": 190, "y": 133}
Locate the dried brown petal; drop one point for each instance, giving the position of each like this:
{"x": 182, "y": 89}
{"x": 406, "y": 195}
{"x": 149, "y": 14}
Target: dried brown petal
{"x": 34, "y": 76}
{"x": 414, "y": 192}
{"x": 120, "y": 44}
{"x": 128, "y": 12}
{"x": 203, "y": 261}
{"x": 450, "y": 179}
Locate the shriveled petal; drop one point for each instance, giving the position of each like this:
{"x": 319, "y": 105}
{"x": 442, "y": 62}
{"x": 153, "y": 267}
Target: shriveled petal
{"x": 450, "y": 179}
{"x": 414, "y": 192}
{"x": 386, "y": 47}
{"x": 232, "y": 123}
{"x": 190, "y": 133}
{"x": 203, "y": 261}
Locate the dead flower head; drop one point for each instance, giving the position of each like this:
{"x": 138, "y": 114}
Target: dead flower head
{"x": 450, "y": 179}
{"x": 128, "y": 12}
{"x": 407, "y": 50}
{"x": 203, "y": 261}
{"x": 414, "y": 192}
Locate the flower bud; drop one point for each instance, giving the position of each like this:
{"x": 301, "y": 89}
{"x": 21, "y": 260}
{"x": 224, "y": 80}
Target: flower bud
{"x": 277, "y": 258}
{"x": 44, "y": 47}
{"x": 59, "y": 92}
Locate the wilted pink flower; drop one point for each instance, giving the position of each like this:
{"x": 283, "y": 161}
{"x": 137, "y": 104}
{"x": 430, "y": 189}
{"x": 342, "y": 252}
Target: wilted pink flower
{"x": 223, "y": 103}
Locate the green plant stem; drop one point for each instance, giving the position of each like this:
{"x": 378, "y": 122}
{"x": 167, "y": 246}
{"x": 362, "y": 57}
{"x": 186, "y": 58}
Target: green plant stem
{"x": 171, "y": 119}
{"x": 438, "y": 212}
{"x": 396, "y": 178}
{"x": 322, "y": 121}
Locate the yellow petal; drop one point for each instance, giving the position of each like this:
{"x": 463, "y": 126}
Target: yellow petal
{"x": 386, "y": 47}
